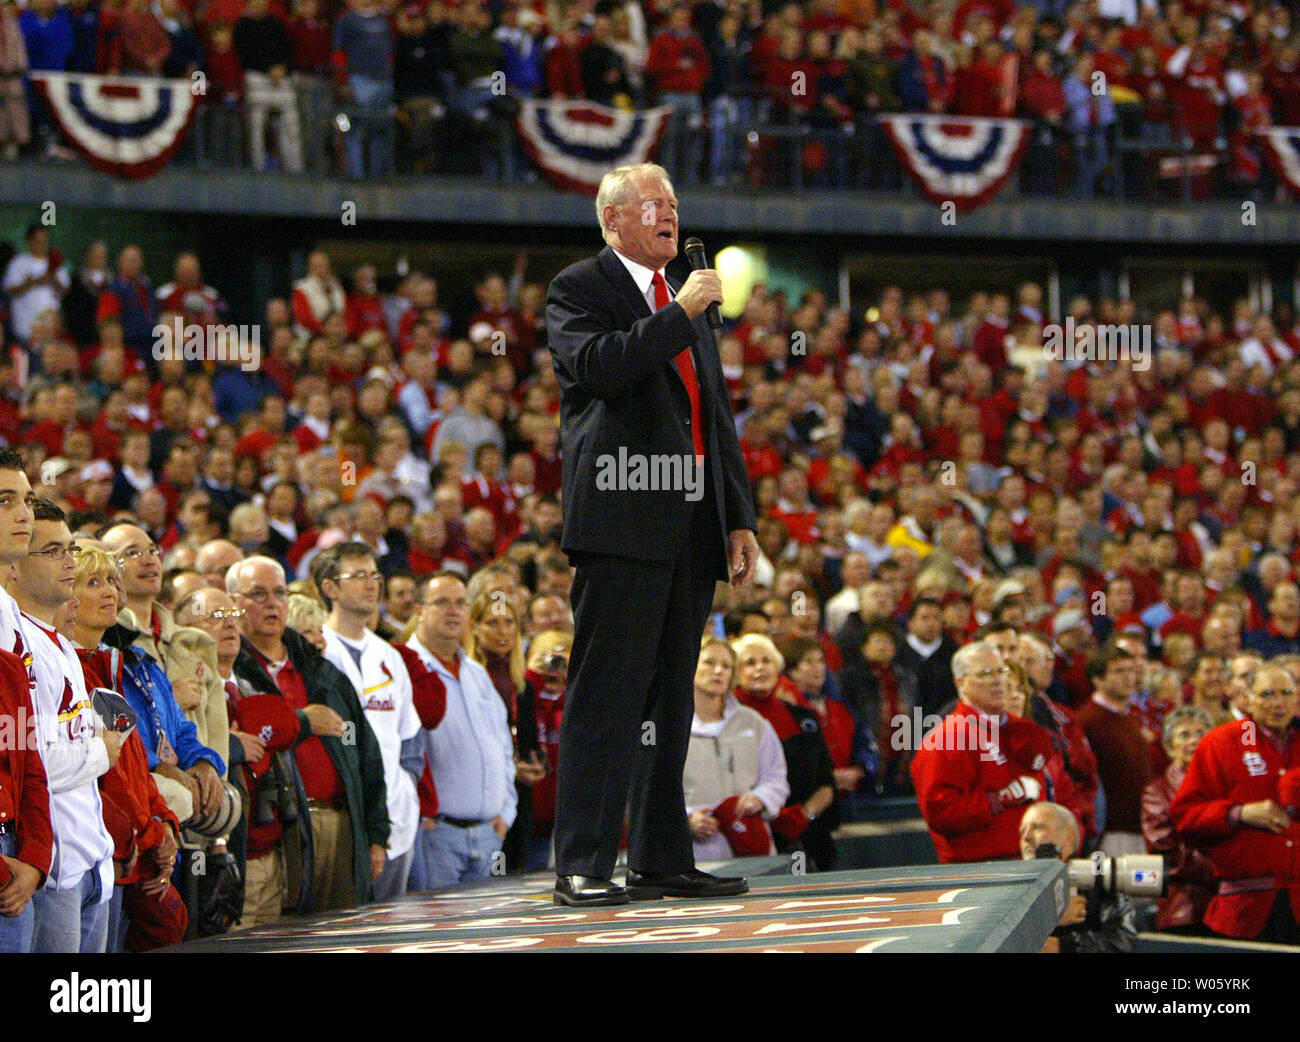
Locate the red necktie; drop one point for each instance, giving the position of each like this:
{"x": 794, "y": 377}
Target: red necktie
{"x": 686, "y": 366}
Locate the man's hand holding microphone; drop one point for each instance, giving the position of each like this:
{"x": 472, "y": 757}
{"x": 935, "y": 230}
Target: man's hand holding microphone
{"x": 701, "y": 288}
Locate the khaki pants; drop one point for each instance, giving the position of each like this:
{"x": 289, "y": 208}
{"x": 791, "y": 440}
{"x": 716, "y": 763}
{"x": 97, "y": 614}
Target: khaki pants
{"x": 332, "y": 876}
{"x": 265, "y": 886}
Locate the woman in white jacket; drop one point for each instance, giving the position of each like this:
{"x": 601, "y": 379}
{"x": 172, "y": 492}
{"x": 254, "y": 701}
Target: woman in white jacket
{"x": 733, "y": 752}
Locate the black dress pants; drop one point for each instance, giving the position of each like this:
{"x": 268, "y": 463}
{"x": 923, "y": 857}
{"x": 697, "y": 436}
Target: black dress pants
{"x": 629, "y": 703}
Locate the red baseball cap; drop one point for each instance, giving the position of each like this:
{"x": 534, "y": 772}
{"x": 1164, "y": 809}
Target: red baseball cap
{"x": 748, "y": 836}
{"x": 271, "y": 719}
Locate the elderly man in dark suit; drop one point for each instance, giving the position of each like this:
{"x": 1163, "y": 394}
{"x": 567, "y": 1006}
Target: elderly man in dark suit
{"x": 657, "y": 509}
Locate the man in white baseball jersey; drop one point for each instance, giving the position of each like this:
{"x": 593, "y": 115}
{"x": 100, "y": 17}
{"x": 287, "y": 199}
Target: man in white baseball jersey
{"x": 72, "y": 908}
{"x": 348, "y": 578}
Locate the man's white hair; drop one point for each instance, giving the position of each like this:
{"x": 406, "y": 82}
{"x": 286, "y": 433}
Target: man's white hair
{"x": 235, "y": 576}
{"x": 961, "y": 663}
{"x": 616, "y": 187}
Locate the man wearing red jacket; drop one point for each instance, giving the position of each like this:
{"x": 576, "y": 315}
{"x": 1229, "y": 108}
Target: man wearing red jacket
{"x": 26, "y": 834}
{"x": 972, "y": 794}
{"x": 1239, "y": 804}
{"x": 678, "y": 65}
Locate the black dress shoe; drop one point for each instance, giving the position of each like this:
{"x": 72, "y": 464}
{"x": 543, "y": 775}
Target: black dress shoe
{"x": 647, "y": 886}
{"x": 588, "y": 890}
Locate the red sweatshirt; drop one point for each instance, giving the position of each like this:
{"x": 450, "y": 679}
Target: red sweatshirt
{"x": 1123, "y": 762}
{"x": 664, "y": 63}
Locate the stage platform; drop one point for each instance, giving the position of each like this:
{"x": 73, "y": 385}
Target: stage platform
{"x": 991, "y": 907}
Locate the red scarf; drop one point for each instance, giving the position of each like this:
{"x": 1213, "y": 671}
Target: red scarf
{"x": 891, "y": 706}
{"x": 932, "y": 89}
{"x": 771, "y": 709}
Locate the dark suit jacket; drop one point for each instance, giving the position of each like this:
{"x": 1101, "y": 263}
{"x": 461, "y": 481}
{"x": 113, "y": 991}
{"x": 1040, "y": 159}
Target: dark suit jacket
{"x": 935, "y": 687}
{"x": 621, "y": 390}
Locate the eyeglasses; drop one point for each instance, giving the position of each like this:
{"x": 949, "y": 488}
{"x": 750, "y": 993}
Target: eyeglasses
{"x": 58, "y": 553}
{"x": 989, "y": 674}
{"x": 261, "y": 596}
{"x": 134, "y": 553}
{"x": 222, "y": 616}
{"x": 364, "y": 576}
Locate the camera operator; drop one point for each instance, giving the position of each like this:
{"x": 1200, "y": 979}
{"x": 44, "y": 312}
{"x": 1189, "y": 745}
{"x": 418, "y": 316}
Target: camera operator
{"x": 1092, "y": 922}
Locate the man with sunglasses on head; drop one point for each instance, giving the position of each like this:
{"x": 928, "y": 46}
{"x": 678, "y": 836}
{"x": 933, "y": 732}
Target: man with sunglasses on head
{"x": 972, "y": 794}
{"x": 350, "y": 582}
{"x": 188, "y": 656}
{"x": 338, "y": 758}
{"x": 71, "y": 910}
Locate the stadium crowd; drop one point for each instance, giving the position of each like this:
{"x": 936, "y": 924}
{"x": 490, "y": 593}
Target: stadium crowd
{"x": 329, "y": 585}
{"x": 434, "y": 88}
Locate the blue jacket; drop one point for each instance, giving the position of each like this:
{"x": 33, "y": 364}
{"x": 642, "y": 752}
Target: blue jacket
{"x": 138, "y": 315}
{"x": 49, "y": 42}
{"x": 236, "y": 392}
{"x": 149, "y": 693}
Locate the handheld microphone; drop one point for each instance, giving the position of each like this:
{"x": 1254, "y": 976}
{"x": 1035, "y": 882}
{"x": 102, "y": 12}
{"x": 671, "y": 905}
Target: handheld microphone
{"x": 695, "y": 254}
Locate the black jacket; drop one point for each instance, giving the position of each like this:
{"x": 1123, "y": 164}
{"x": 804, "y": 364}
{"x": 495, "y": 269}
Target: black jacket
{"x": 283, "y": 777}
{"x": 621, "y": 391}
{"x": 935, "y": 686}
{"x": 860, "y": 691}
{"x": 853, "y": 632}
{"x": 355, "y": 756}
{"x": 809, "y": 768}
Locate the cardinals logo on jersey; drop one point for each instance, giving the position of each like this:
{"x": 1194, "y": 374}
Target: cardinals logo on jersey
{"x": 20, "y": 649}
{"x": 1254, "y": 764}
{"x": 70, "y": 713}
{"x": 371, "y": 701}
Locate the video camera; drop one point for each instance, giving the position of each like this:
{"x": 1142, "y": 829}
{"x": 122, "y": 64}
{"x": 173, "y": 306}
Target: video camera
{"x": 1134, "y": 875}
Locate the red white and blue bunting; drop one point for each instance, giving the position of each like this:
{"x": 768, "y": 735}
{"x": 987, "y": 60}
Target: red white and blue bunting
{"x": 575, "y": 143}
{"x": 1282, "y": 149}
{"x": 127, "y": 126}
{"x": 959, "y": 159}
